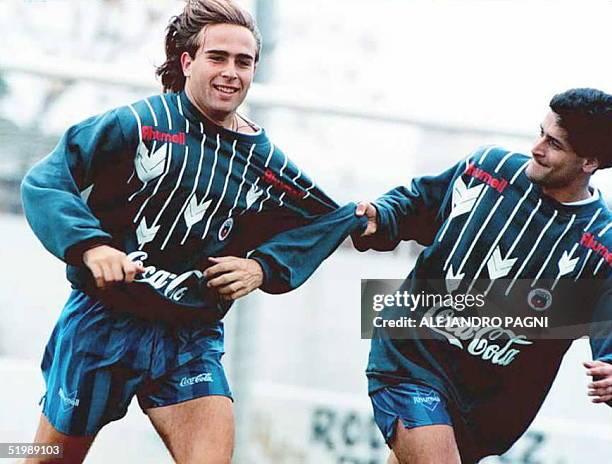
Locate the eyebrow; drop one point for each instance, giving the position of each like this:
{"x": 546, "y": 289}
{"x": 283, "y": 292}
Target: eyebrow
{"x": 559, "y": 141}
{"x": 225, "y": 53}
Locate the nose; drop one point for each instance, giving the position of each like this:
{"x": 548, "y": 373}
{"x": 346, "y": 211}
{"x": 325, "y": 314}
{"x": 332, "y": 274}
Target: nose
{"x": 229, "y": 70}
{"x": 538, "y": 147}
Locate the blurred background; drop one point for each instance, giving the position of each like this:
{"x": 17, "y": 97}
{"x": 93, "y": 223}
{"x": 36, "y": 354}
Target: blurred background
{"x": 363, "y": 96}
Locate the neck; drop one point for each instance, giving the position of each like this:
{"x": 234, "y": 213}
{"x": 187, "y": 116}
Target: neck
{"x": 568, "y": 195}
{"x": 225, "y": 120}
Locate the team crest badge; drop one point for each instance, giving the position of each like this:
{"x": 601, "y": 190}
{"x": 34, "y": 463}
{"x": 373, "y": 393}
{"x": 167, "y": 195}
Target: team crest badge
{"x": 539, "y": 299}
{"x": 225, "y": 229}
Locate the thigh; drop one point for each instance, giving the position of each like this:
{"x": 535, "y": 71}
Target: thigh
{"x": 432, "y": 444}
{"x": 197, "y": 431}
{"x": 91, "y": 367}
{"x": 416, "y": 424}
{"x": 75, "y": 448}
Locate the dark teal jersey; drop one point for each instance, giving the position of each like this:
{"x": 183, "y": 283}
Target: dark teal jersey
{"x": 489, "y": 230}
{"x": 171, "y": 189}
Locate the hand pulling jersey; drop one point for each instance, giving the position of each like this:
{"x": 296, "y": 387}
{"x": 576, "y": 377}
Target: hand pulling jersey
{"x": 489, "y": 230}
{"x": 171, "y": 189}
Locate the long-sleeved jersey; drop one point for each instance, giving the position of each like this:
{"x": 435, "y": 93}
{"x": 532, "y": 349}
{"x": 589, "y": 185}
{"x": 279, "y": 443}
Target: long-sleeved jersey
{"x": 171, "y": 189}
{"x": 490, "y": 231}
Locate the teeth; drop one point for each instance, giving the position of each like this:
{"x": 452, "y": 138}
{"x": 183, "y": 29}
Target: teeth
{"x": 224, "y": 89}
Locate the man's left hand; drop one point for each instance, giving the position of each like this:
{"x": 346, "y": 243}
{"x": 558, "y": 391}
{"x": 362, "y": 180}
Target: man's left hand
{"x": 234, "y": 277}
{"x": 601, "y": 389}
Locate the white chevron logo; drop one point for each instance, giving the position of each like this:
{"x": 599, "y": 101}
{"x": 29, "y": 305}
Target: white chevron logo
{"x": 453, "y": 280}
{"x": 145, "y": 234}
{"x": 499, "y": 267}
{"x": 567, "y": 264}
{"x": 149, "y": 166}
{"x": 195, "y": 211}
{"x": 464, "y": 197}
{"x": 252, "y": 195}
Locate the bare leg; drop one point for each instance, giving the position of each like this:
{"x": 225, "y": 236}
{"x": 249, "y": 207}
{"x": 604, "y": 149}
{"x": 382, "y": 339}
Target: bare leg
{"x": 197, "y": 431}
{"x": 432, "y": 444}
{"x": 75, "y": 448}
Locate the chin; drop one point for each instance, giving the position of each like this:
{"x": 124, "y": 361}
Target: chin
{"x": 529, "y": 173}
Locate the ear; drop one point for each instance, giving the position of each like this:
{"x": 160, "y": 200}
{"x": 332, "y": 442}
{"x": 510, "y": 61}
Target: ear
{"x": 186, "y": 62}
{"x": 590, "y": 165}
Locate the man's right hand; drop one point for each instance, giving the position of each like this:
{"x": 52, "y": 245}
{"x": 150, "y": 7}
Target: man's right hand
{"x": 367, "y": 209}
{"x": 109, "y": 265}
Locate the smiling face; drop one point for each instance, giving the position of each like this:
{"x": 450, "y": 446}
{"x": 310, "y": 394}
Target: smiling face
{"x": 556, "y": 167}
{"x": 219, "y": 76}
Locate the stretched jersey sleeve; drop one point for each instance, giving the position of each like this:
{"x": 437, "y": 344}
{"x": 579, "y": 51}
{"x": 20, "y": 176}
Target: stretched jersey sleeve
{"x": 411, "y": 213}
{"x": 51, "y": 191}
{"x": 288, "y": 259}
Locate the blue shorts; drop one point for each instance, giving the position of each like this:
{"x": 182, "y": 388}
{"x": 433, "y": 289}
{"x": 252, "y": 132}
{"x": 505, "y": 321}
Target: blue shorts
{"x": 98, "y": 359}
{"x": 415, "y": 405}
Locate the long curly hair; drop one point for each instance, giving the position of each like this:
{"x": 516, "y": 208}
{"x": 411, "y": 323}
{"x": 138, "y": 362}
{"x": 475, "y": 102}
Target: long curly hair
{"x": 185, "y": 32}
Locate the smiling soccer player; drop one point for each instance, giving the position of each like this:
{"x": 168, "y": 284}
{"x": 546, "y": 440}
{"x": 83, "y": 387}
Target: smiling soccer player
{"x": 535, "y": 238}
{"x": 182, "y": 188}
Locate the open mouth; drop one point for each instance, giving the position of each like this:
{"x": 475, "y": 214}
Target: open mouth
{"x": 225, "y": 89}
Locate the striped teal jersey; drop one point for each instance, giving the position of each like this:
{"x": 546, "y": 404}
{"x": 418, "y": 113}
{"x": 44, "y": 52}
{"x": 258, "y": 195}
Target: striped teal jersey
{"x": 489, "y": 230}
{"x": 170, "y": 189}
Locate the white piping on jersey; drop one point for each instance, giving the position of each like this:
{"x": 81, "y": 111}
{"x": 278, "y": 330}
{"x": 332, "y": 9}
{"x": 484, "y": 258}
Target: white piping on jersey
{"x": 246, "y": 168}
{"x": 280, "y": 199}
{"x": 517, "y": 240}
{"x": 144, "y": 233}
{"x": 499, "y": 237}
{"x": 167, "y": 112}
{"x": 265, "y": 166}
{"x": 592, "y": 220}
{"x": 569, "y": 257}
{"x": 601, "y": 234}
{"x": 159, "y": 182}
{"x": 180, "y": 109}
{"x": 480, "y": 231}
{"x": 309, "y": 189}
{"x": 140, "y": 141}
{"x": 270, "y": 188}
{"x": 267, "y": 190}
{"x": 588, "y": 255}
{"x": 227, "y": 177}
{"x": 553, "y": 249}
{"x": 605, "y": 229}
{"x": 504, "y": 159}
{"x": 596, "y": 270}
{"x": 468, "y": 197}
{"x": 465, "y": 226}
{"x": 468, "y": 187}
{"x": 486, "y": 153}
{"x": 210, "y": 180}
{"x": 180, "y": 177}
{"x": 297, "y": 176}
{"x": 176, "y": 186}
{"x": 146, "y": 100}
{"x": 533, "y": 249}
{"x": 193, "y": 189}
{"x": 518, "y": 172}
{"x": 153, "y": 146}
